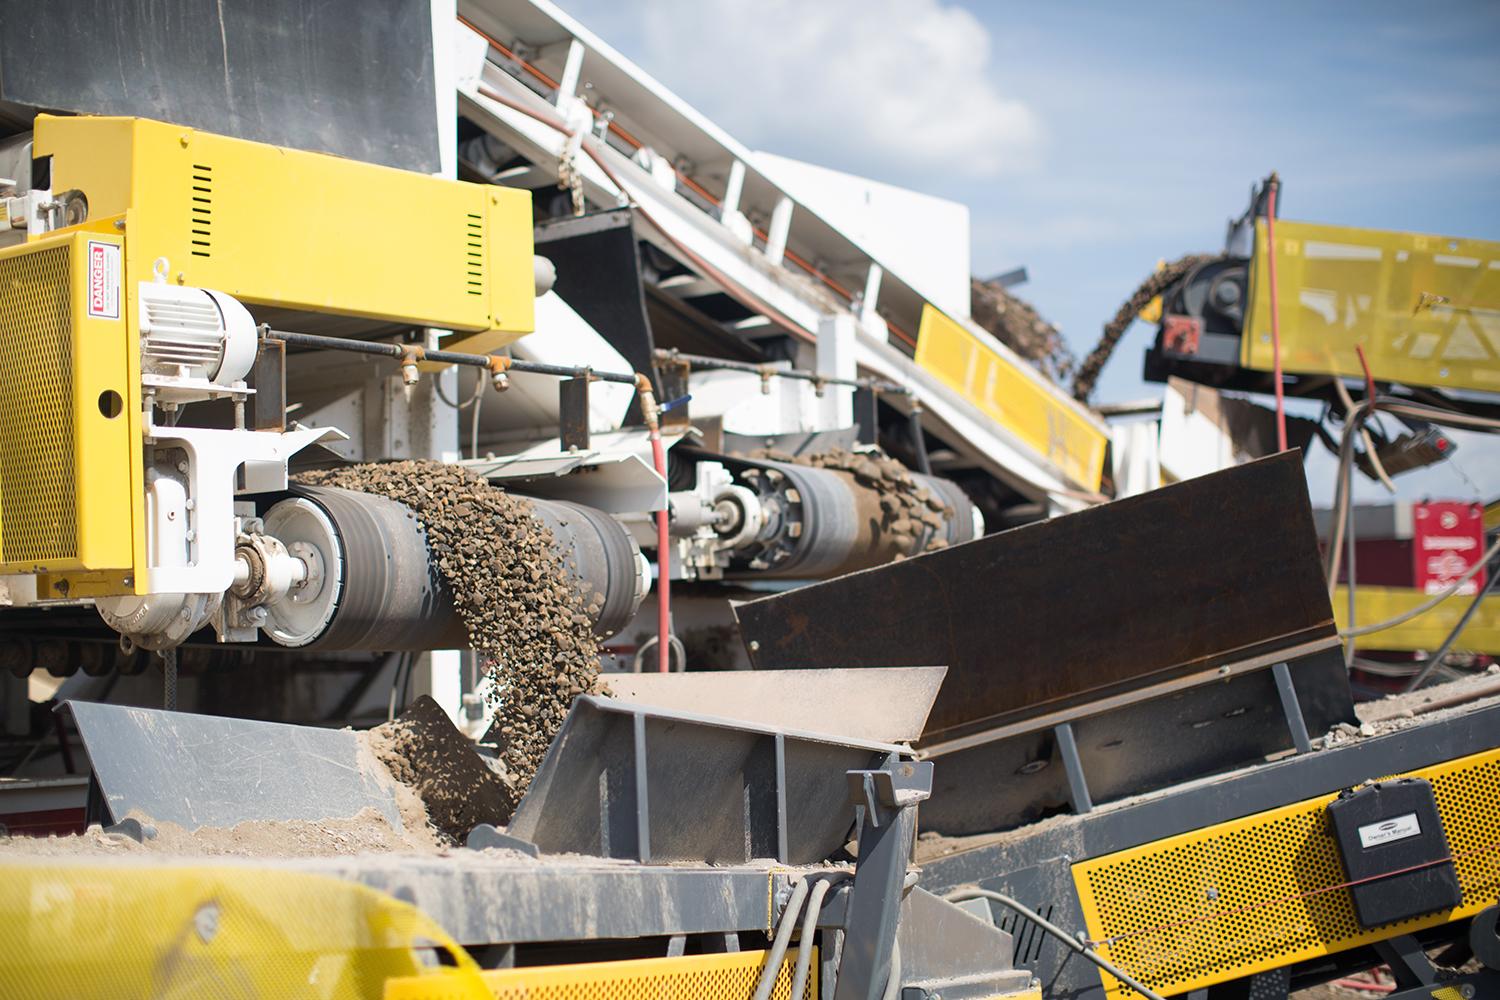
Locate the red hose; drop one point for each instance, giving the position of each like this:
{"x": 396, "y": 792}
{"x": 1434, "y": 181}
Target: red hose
{"x": 1271, "y": 187}
{"x": 663, "y": 564}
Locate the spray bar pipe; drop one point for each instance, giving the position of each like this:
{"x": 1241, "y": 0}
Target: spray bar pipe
{"x": 675, "y": 357}
{"x": 403, "y": 352}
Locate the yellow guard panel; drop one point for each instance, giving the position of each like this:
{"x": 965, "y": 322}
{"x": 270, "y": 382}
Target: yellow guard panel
{"x": 1426, "y": 309}
{"x": 70, "y": 438}
{"x": 1263, "y": 892}
{"x": 1053, "y": 426}
{"x": 1427, "y": 630}
{"x": 108, "y": 930}
{"x": 304, "y": 231}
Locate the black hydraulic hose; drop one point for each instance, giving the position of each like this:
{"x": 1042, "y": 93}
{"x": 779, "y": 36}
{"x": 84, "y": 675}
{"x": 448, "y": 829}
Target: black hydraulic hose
{"x": 1067, "y": 939}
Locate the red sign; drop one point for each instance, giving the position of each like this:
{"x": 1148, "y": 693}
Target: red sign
{"x": 1447, "y": 538}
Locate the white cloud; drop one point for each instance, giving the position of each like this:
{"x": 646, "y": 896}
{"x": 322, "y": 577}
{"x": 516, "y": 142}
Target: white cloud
{"x": 871, "y": 86}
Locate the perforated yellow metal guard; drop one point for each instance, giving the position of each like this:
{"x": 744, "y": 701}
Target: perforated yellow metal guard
{"x": 36, "y": 408}
{"x": 70, "y": 450}
{"x": 1257, "y": 893}
{"x": 730, "y": 976}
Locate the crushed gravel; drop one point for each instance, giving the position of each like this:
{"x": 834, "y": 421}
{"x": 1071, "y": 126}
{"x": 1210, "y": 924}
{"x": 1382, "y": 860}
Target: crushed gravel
{"x": 524, "y": 617}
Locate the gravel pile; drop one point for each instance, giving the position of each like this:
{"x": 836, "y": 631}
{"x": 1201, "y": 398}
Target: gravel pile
{"x": 527, "y": 621}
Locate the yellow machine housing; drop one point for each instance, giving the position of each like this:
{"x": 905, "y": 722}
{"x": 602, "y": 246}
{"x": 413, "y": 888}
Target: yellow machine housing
{"x": 70, "y": 412}
{"x": 1425, "y": 309}
{"x": 295, "y": 230}
{"x": 289, "y": 233}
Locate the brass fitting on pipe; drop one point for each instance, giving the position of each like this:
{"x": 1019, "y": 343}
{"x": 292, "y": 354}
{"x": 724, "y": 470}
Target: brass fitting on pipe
{"x": 649, "y": 411}
{"x": 411, "y": 356}
{"x": 499, "y": 365}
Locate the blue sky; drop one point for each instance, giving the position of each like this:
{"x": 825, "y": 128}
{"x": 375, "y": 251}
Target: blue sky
{"x": 1091, "y": 140}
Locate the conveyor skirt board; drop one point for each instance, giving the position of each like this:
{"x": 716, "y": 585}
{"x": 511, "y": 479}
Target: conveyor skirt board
{"x": 1272, "y": 889}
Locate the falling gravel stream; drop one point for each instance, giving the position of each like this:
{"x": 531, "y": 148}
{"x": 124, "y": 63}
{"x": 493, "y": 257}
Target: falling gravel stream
{"x": 530, "y": 625}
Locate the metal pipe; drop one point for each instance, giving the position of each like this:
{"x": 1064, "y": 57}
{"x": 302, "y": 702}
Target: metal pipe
{"x": 676, "y": 357}
{"x": 397, "y": 351}
{"x": 1067, "y": 939}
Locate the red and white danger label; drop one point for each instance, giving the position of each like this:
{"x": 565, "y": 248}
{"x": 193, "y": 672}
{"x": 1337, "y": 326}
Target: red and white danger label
{"x": 1447, "y": 538}
{"x": 104, "y": 280}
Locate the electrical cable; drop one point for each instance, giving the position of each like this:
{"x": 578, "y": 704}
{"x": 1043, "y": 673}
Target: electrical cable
{"x": 1351, "y": 590}
{"x": 1364, "y": 435}
{"x": 478, "y": 391}
{"x": 1084, "y": 948}
{"x": 1432, "y": 601}
{"x": 777, "y": 953}
{"x": 1344, "y": 477}
{"x": 650, "y": 643}
{"x": 809, "y": 926}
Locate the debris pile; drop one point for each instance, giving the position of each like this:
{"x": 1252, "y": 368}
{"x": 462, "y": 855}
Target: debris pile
{"x": 524, "y": 617}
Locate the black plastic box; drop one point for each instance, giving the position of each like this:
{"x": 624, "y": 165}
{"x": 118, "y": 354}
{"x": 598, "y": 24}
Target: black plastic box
{"x": 1393, "y": 829}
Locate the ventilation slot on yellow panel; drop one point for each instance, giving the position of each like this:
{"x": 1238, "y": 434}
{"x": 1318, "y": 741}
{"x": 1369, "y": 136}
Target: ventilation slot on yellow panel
{"x": 38, "y": 516}
{"x": 201, "y": 217}
{"x": 474, "y": 254}
{"x": 1263, "y": 892}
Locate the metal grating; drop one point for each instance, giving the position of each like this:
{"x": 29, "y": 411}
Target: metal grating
{"x": 691, "y": 977}
{"x": 38, "y": 515}
{"x": 1258, "y": 893}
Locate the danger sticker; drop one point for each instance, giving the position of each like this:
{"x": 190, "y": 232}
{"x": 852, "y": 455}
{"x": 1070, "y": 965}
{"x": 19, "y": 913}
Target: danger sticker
{"x": 1389, "y": 830}
{"x": 104, "y": 280}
